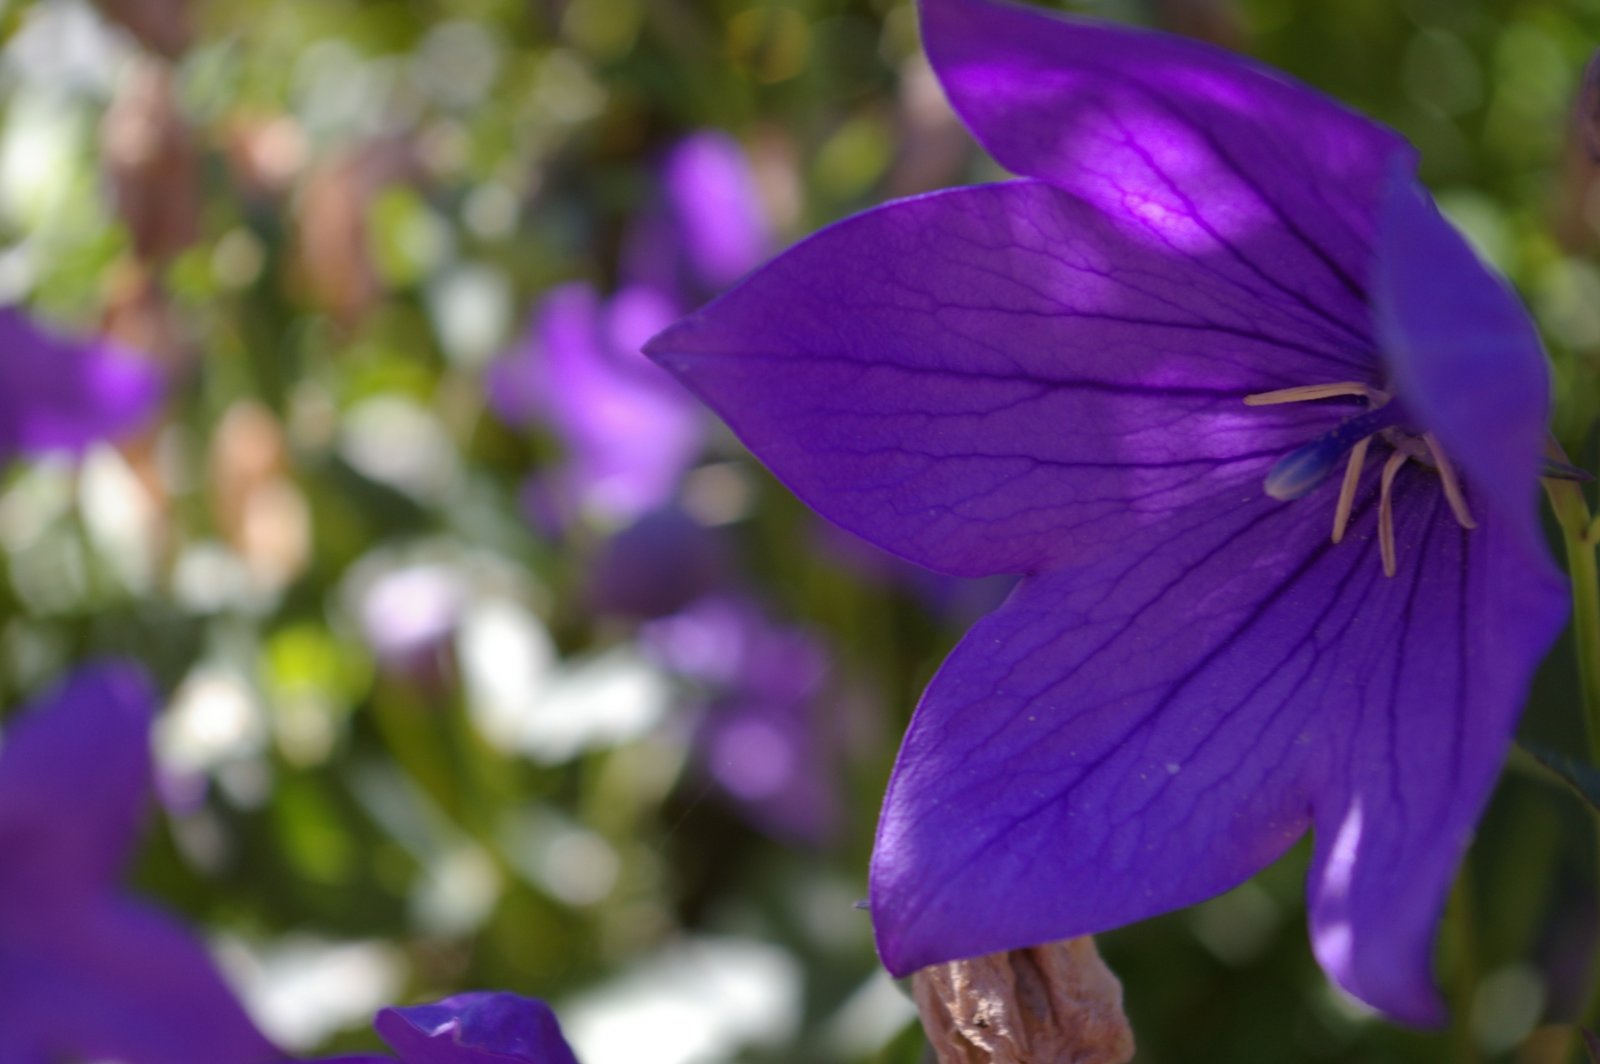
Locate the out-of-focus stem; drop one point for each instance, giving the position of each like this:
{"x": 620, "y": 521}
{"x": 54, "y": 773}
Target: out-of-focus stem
{"x": 1458, "y": 917}
{"x": 1579, "y": 534}
{"x": 1579, "y": 531}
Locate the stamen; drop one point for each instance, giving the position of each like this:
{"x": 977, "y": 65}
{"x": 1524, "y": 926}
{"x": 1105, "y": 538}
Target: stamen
{"x": 1307, "y": 392}
{"x": 1450, "y": 483}
{"x": 1386, "y": 512}
{"x": 1347, "y": 490}
{"x": 1301, "y": 470}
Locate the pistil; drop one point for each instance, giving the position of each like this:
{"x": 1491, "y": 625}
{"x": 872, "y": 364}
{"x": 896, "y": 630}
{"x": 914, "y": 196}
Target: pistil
{"x": 1302, "y": 469}
{"x": 1305, "y": 467}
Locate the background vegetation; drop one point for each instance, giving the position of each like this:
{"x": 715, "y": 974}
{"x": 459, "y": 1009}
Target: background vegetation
{"x": 409, "y": 750}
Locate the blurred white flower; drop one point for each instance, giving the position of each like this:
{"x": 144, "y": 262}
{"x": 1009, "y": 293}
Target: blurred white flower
{"x": 302, "y": 989}
{"x": 400, "y": 443}
{"x": 123, "y": 520}
{"x": 216, "y": 726}
{"x": 700, "y": 1001}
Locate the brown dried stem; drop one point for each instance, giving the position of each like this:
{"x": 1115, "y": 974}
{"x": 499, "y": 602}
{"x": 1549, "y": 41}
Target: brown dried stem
{"x": 1054, "y": 1004}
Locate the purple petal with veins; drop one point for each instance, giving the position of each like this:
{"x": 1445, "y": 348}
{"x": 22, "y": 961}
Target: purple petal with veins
{"x": 1204, "y": 153}
{"x": 905, "y": 372}
{"x": 1464, "y": 353}
{"x": 1050, "y": 377}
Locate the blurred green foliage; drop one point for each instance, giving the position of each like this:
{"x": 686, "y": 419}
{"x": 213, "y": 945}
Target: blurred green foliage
{"x": 380, "y": 191}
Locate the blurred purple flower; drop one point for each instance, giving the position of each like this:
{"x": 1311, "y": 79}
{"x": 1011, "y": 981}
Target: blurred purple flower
{"x": 484, "y": 1027}
{"x": 657, "y": 566}
{"x": 761, "y": 735}
{"x": 953, "y": 600}
{"x": 59, "y": 394}
{"x": 409, "y": 616}
{"x": 1050, "y": 376}
{"x": 87, "y": 972}
{"x": 710, "y": 228}
{"x": 630, "y": 431}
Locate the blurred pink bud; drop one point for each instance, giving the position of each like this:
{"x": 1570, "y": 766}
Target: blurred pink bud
{"x": 163, "y": 26}
{"x": 152, "y": 163}
{"x": 333, "y": 234}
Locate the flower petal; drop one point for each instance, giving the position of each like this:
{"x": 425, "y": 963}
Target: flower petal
{"x": 1394, "y": 816}
{"x": 988, "y": 379}
{"x": 1132, "y": 736}
{"x": 121, "y": 981}
{"x": 61, "y": 395}
{"x": 74, "y": 779}
{"x": 1464, "y": 355}
{"x": 477, "y": 1028}
{"x": 1208, "y": 151}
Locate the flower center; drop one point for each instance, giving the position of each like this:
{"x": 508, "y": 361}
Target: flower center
{"x": 1302, "y": 469}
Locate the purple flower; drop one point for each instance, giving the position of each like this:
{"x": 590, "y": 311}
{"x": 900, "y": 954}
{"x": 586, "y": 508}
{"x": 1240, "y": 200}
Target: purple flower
{"x": 478, "y": 1028}
{"x": 657, "y": 566}
{"x": 87, "y": 972}
{"x": 1209, "y": 277}
{"x": 630, "y": 431}
{"x": 710, "y": 227}
{"x": 761, "y": 735}
{"x": 58, "y": 394}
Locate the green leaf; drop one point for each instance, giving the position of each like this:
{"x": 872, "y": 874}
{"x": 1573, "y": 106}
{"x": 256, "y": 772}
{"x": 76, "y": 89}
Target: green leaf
{"x": 1580, "y": 776}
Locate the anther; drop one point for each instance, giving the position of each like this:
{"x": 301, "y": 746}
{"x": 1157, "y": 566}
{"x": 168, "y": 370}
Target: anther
{"x": 1386, "y": 512}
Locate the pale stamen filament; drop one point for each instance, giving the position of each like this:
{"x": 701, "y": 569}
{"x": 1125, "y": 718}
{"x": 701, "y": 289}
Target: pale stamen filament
{"x": 1307, "y": 392}
{"x": 1347, "y": 490}
{"x": 1450, "y": 483}
{"x": 1386, "y": 512}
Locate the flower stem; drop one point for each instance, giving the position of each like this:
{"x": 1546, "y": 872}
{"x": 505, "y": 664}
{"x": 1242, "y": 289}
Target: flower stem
{"x": 1579, "y": 530}
{"x": 1458, "y": 916}
{"x": 1580, "y": 533}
